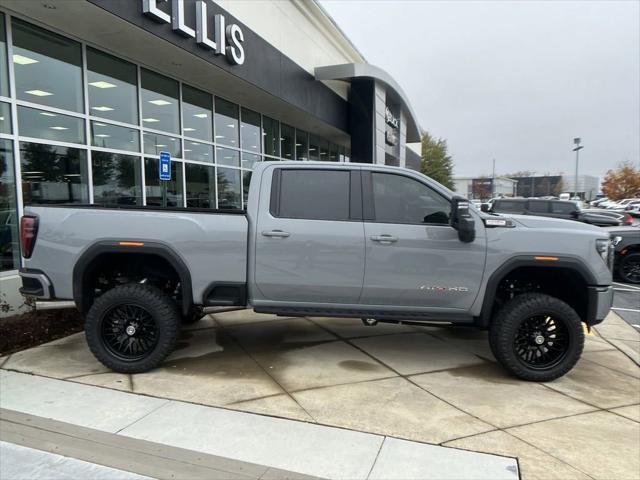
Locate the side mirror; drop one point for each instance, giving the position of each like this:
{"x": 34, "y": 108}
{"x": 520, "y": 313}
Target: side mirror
{"x": 462, "y": 220}
{"x": 484, "y": 207}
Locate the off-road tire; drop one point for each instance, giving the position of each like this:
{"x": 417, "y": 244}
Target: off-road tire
{"x": 631, "y": 258}
{"x": 159, "y": 306}
{"x": 505, "y": 325}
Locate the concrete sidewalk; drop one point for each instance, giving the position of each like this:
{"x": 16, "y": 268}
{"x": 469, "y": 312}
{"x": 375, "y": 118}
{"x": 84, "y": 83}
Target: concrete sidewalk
{"x": 70, "y": 417}
{"x": 422, "y": 384}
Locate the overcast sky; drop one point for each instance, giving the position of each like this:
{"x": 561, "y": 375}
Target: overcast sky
{"x": 511, "y": 80}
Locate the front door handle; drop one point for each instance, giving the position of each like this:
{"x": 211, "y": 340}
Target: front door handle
{"x": 275, "y": 234}
{"x": 384, "y": 238}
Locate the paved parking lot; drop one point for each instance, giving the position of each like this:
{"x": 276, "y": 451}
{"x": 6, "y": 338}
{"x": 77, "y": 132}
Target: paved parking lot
{"x": 433, "y": 385}
{"x": 626, "y": 303}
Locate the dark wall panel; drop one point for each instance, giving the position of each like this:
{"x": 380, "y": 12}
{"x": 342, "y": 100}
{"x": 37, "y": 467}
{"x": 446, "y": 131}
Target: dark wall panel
{"x": 361, "y": 121}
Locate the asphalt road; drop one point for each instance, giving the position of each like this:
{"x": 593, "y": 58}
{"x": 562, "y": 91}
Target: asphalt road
{"x": 626, "y": 302}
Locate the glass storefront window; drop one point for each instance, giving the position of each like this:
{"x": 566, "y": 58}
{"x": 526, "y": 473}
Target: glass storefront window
{"x": 226, "y": 122}
{"x": 5, "y": 118}
{"x": 271, "y": 135}
{"x": 249, "y": 160}
{"x": 52, "y": 174}
{"x": 112, "y": 87}
{"x": 225, "y": 156}
{"x": 201, "y": 152}
{"x": 154, "y": 143}
{"x": 333, "y": 153}
{"x": 4, "y": 72}
{"x": 111, "y": 136}
{"x": 160, "y": 102}
{"x": 302, "y": 145}
{"x": 246, "y": 180}
{"x": 117, "y": 179}
{"x": 196, "y": 113}
{"x": 163, "y": 193}
{"x": 324, "y": 150}
{"x": 287, "y": 140}
{"x": 250, "y": 131}
{"x": 314, "y": 148}
{"x": 48, "y": 67}
{"x": 50, "y": 126}
{"x": 201, "y": 186}
{"x": 9, "y": 243}
{"x": 229, "y": 188}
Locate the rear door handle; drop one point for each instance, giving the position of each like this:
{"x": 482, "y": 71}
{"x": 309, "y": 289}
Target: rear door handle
{"x": 384, "y": 238}
{"x": 275, "y": 234}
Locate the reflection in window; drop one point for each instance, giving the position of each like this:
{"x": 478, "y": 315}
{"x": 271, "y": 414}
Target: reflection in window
{"x": 271, "y": 135}
{"x": 53, "y": 174}
{"x": 48, "y": 67}
{"x": 302, "y": 145}
{"x": 160, "y": 102}
{"x": 111, "y": 136}
{"x": 112, "y": 86}
{"x": 201, "y": 152}
{"x": 9, "y": 250}
{"x": 154, "y": 143}
{"x": 246, "y": 180}
{"x": 196, "y": 113}
{"x": 287, "y": 135}
{"x": 225, "y": 156}
{"x": 314, "y": 148}
{"x": 249, "y": 160}
{"x": 117, "y": 179}
{"x": 5, "y": 118}
{"x": 324, "y": 150}
{"x": 333, "y": 153}
{"x": 50, "y": 126}
{"x": 400, "y": 199}
{"x": 4, "y": 73}
{"x": 226, "y": 122}
{"x": 229, "y": 188}
{"x": 162, "y": 193}
{"x": 250, "y": 131}
{"x": 201, "y": 186}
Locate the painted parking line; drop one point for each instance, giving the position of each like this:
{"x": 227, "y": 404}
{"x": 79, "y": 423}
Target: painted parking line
{"x": 626, "y": 285}
{"x": 625, "y": 309}
{"x": 626, "y": 290}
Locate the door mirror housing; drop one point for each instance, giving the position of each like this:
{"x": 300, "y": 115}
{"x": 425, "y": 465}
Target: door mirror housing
{"x": 484, "y": 207}
{"x": 462, "y": 220}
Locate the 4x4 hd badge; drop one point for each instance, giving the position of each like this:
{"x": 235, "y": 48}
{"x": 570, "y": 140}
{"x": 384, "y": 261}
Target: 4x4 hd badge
{"x": 441, "y": 289}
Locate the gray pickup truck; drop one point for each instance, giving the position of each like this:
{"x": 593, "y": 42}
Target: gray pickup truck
{"x": 342, "y": 240}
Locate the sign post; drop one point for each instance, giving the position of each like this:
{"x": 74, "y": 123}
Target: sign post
{"x": 165, "y": 166}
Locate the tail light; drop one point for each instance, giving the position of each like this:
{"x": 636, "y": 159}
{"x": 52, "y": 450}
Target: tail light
{"x": 628, "y": 219}
{"x": 28, "y": 233}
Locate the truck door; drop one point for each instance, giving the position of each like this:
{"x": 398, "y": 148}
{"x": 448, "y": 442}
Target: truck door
{"x": 413, "y": 255}
{"x": 310, "y": 236}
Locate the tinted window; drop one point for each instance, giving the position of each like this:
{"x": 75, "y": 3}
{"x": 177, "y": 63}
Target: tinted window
{"x": 400, "y": 199}
{"x": 50, "y": 126}
{"x": 9, "y": 251}
{"x": 250, "y": 129}
{"x": 314, "y": 194}
{"x": 229, "y": 188}
{"x": 117, "y": 179}
{"x": 196, "y": 113}
{"x": 271, "y": 134}
{"x": 226, "y": 121}
{"x": 5, "y": 118}
{"x": 163, "y": 193}
{"x": 160, "y": 102}
{"x": 508, "y": 206}
{"x": 111, "y": 136}
{"x": 201, "y": 186}
{"x": 536, "y": 206}
{"x": 4, "y": 76}
{"x": 563, "y": 207}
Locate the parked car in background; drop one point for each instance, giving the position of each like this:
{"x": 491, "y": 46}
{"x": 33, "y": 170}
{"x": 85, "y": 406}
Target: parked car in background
{"x": 564, "y": 209}
{"x": 626, "y": 241}
{"x": 625, "y": 218}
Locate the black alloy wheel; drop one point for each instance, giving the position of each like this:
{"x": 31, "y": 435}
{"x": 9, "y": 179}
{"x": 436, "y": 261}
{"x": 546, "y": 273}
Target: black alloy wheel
{"x": 541, "y": 341}
{"x": 129, "y": 332}
{"x": 629, "y": 268}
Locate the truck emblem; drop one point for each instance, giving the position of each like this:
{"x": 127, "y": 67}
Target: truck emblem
{"x": 439, "y": 288}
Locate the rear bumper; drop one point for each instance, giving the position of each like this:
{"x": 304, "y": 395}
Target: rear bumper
{"x": 600, "y": 300}
{"x": 35, "y": 283}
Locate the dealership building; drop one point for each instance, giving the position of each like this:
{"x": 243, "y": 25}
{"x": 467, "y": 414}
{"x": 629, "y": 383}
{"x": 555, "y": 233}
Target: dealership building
{"x": 92, "y": 91}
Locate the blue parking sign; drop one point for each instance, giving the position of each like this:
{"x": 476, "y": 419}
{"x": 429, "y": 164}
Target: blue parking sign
{"x": 165, "y": 166}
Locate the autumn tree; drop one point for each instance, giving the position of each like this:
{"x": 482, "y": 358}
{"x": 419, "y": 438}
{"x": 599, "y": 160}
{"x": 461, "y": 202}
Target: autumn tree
{"x": 436, "y": 162}
{"x": 622, "y": 182}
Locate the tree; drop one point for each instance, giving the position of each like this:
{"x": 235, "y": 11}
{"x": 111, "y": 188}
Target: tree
{"x": 623, "y": 182}
{"x": 436, "y": 163}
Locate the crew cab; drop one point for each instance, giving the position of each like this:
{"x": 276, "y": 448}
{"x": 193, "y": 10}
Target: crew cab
{"x": 333, "y": 239}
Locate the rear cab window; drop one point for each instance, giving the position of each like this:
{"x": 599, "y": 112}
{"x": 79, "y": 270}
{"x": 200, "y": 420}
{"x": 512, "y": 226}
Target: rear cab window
{"x": 538, "y": 206}
{"x": 508, "y": 206}
{"x": 563, "y": 207}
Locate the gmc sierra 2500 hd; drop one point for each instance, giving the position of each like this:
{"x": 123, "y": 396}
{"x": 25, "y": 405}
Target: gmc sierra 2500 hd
{"x": 324, "y": 239}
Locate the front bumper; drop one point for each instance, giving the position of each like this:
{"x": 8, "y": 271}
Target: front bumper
{"x": 599, "y": 302}
{"x": 35, "y": 283}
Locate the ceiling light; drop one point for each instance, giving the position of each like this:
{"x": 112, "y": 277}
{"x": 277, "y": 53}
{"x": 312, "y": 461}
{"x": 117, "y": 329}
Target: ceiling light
{"x": 298, "y": 144}
{"x": 205, "y": 154}
{"x": 49, "y": 6}
{"x": 99, "y": 124}
{"x": 187, "y": 150}
{"x": 150, "y": 120}
{"x": 102, "y": 135}
{"x": 102, "y": 109}
{"x": 231, "y": 125}
{"x": 1, "y": 119}
{"x": 219, "y": 136}
{"x": 195, "y": 143}
{"x": 101, "y": 84}
{"x": 32, "y": 173}
{"x": 38, "y": 93}
{"x": 22, "y": 60}
{"x": 161, "y": 146}
{"x": 47, "y": 114}
{"x": 58, "y": 128}
{"x": 160, "y": 102}
{"x": 189, "y": 129}
{"x": 200, "y": 115}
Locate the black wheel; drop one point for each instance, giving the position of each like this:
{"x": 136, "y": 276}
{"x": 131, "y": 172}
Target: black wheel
{"x": 132, "y": 328}
{"x": 629, "y": 268}
{"x": 537, "y": 337}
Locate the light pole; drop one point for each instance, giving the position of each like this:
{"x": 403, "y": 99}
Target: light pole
{"x": 577, "y": 149}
